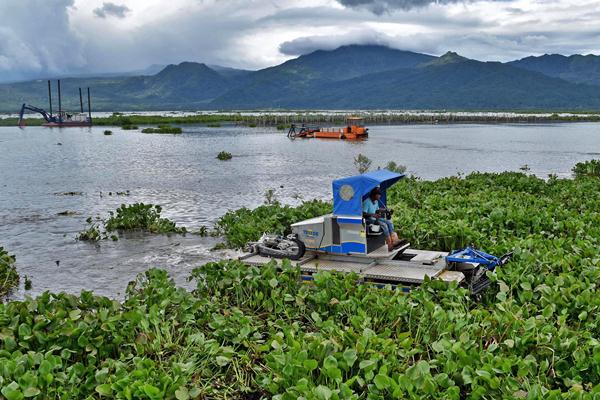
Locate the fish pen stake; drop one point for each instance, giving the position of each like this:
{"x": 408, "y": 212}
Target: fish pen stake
{"x": 59, "y": 104}
{"x": 89, "y": 105}
{"x": 50, "y": 97}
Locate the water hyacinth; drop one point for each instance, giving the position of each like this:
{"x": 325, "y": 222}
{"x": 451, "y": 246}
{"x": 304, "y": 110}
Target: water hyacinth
{"x": 138, "y": 217}
{"x": 248, "y": 332}
{"x": 587, "y": 168}
{"x": 9, "y": 278}
{"x": 163, "y": 129}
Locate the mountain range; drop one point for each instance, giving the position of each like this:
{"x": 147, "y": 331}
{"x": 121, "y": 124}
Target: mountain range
{"x": 349, "y": 77}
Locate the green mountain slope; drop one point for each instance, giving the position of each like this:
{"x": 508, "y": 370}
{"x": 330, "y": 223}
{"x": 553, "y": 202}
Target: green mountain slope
{"x": 575, "y": 68}
{"x": 450, "y": 81}
{"x": 303, "y": 77}
{"x": 348, "y": 77}
{"x": 187, "y": 85}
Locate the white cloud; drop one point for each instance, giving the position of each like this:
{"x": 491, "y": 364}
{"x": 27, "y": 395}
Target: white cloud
{"x": 67, "y": 36}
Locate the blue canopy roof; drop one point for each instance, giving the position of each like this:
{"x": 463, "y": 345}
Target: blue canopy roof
{"x": 349, "y": 193}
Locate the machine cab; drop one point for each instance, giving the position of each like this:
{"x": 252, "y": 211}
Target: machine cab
{"x": 355, "y": 126}
{"x": 345, "y": 231}
{"x": 355, "y": 121}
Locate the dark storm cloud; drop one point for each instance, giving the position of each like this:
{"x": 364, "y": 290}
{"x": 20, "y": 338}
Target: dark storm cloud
{"x": 37, "y": 40}
{"x": 111, "y": 10}
{"x": 381, "y": 6}
{"x": 325, "y": 16}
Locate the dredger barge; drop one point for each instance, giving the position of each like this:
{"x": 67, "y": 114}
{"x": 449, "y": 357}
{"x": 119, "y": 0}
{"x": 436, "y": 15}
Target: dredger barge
{"x": 346, "y": 242}
{"x": 354, "y": 130}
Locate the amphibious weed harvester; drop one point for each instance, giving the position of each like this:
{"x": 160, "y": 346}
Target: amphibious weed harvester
{"x": 346, "y": 242}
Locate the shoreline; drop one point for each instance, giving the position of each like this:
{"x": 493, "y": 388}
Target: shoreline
{"x": 284, "y": 120}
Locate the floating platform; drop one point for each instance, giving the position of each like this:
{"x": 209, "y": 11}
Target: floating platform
{"x": 402, "y": 267}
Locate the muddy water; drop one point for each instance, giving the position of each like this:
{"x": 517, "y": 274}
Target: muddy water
{"x": 39, "y": 165}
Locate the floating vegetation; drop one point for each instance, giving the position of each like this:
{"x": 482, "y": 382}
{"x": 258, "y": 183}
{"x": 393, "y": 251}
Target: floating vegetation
{"x": 244, "y": 225}
{"x": 203, "y": 231}
{"x": 362, "y": 163}
{"x": 122, "y": 193}
{"x": 398, "y": 168}
{"x": 311, "y": 117}
{"x": 163, "y": 129}
{"x": 9, "y": 278}
{"x": 250, "y": 332}
{"x": 129, "y": 127}
{"x": 213, "y": 125}
{"x": 224, "y": 156}
{"x": 282, "y": 127}
{"x": 67, "y": 213}
{"x": 270, "y": 197}
{"x": 93, "y": 232}
{"x": 69, "y": 194}
{"x": 252, "y": 125}
{"x": 140, "y": 217}
{"x": 129, "y": 218}
{"x": 587, "y": 168}
{"x": 107, "y": 133}
{"x": 27, "y": 284}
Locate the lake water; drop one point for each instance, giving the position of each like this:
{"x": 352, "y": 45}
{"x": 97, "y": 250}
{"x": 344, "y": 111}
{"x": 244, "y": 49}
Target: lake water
{"x": 181, "y": 173}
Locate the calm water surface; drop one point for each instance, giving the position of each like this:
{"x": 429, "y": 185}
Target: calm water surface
{"x": 181, "y": 173}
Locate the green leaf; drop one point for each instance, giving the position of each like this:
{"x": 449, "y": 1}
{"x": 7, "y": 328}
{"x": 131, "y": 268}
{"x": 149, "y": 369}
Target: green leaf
{"x": 31, "y": 391}
{"x": 182, "y": 393}
{"x": 330, "y": 362}
{"x": 483, "y": 373}
{"x": 104, "y": 389}
{"x": 24, "y": 330}
{"x": 75, "y": 314}
{"x": 381, "y": 381}
{"x": 316, "y": 317}
{"x": 151, "y": 391}
{"x": 273, "y": 282}
{"x": 334, "y": 373}
{"x": 222, "y": 360}
{"x": 310, "y": 365}
{"x": 350, "y": 357}
{"x": 367, "y": 364}
{"x": 12, "y": 391}
{"x": 322, "y": 392}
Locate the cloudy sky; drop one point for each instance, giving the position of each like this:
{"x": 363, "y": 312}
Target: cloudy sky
{"x": 42, "y": 38}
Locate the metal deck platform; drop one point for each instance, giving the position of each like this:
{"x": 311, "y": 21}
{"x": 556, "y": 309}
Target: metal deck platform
{"x": 414, "y": 267}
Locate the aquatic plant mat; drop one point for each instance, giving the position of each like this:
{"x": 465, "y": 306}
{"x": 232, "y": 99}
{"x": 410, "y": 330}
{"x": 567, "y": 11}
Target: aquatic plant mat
{"x": 283, "y": 119}
{"x": 9, "y": 278}
{"x": 129, "y": 218}
{"x": 252, "y": 332}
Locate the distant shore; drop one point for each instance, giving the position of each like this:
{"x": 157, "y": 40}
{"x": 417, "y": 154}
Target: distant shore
{"x": 283, "y": 119}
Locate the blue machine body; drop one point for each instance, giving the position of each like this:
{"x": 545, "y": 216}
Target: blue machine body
{"x": 472, "y": 255}
{"x": 349, "y": 193}
{"x": 344, "y": 231}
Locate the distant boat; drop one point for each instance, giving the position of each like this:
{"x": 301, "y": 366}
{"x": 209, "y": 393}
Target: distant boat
{"x": 62, "y": 119}
{"x": 354, "y": 130}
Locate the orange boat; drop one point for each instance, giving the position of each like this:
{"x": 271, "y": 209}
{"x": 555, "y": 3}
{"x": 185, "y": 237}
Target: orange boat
{"x": 354, "y": 130}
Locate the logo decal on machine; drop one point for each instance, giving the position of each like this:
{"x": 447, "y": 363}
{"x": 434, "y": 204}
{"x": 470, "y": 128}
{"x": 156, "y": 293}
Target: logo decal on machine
{"x": 310, "y": 233}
